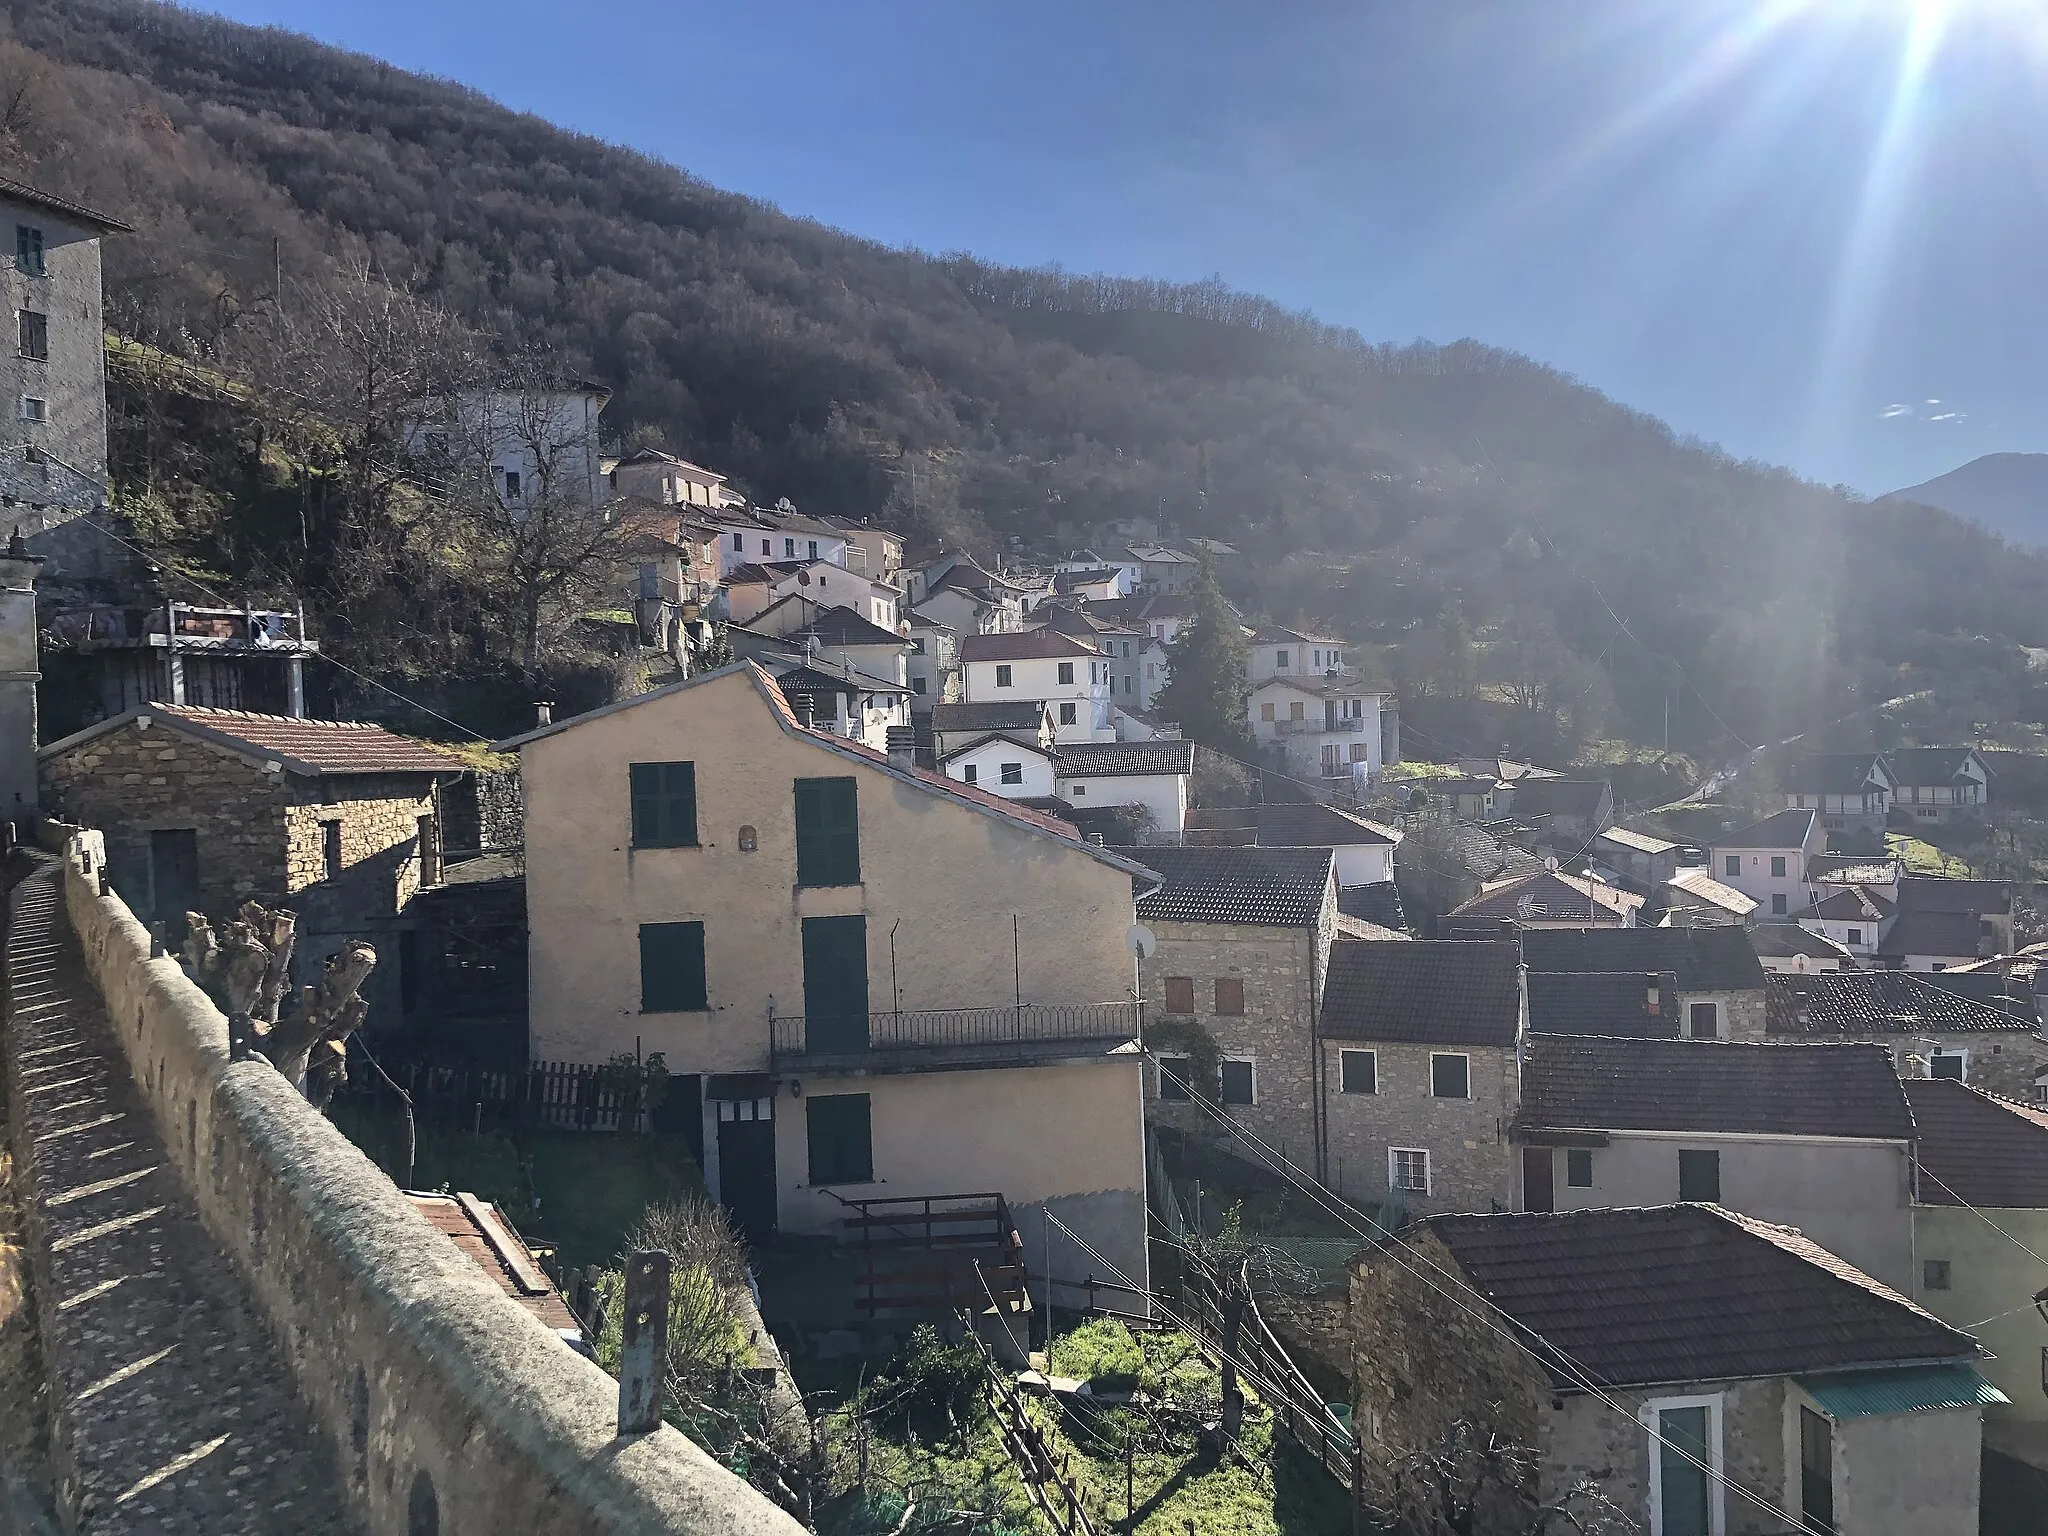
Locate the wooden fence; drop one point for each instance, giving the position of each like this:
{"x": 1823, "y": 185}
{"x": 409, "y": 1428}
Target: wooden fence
{"x": 544, "y": 1093}
{"x": 1044, "y": 1470}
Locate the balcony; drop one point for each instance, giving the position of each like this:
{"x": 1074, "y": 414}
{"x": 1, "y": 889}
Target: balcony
{"x": 1320, "y": 727}
{"x": 956, "y": 1039}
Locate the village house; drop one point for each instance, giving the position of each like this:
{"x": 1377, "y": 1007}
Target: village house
{"x": 1042, "y": 664}
{"x": 1320, "y": 727}
{"x": 872, "y": 551}
{"x": 1719, "y": 984}
{"x": 1003, "y": 765}
{"x": 969, "y": 600}
{"x": 1545, "y": 898}
{"x": 1980, "y": 1214}
{"x": 1788, "y": 949}
{"x": 1097, "y": 583}
{"x": 1850, "y": 790}
{"x": 1855, "y": 918}
{"x": 1244, "y": 940}
{"x": 810, "y": 539}
{"x": 1150, "y": 777}
{"x": 1419, "y": 1073}
{"x": 1563, "y": 814}
{"x": 204, "y": 809}
{"x": 833, "y": 637}
{"x": 1123, "y": 646}
{"x": 1164, "y": 569}
{"x": 1768, "y": 861}
{"x": 1614, "y": 1005}
{"x": 1814, "y": 1137}
{"x": 1695, "y": 899}
{"x": 933, "y": 669}
{"x": 1944, "y": 923}
{"x": 1480, "y": 798}
{"x": 671, "y": 481}
{"x": 1602, "y": 1340}
{"x": 1934, "y": 785}
{"x": 1277, "y": 651}
{"x": 883, "y": 985}
{"x": 1639, "y": 861}
{"x": 833, "y": 586}
{"x": 1931, "y": 1029}
{"x": 956, "y": 725}
{"x": 1365, "y": 849}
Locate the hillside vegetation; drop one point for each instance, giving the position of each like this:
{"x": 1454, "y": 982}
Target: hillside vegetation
{"x": 1506, "y": 543}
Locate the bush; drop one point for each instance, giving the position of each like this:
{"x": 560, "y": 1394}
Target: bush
{"x": 1102, "y": 1352}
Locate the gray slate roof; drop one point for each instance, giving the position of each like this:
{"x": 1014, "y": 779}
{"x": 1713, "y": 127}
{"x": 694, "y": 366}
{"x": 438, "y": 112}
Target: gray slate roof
{"x": 1838, "y": 1003}
{"x": 1433, "y": 992}
{"x": 1715, "y": 959}
{"x": 1271, "y": 887}
{"x": 1833, "y": 773}
{"x": 1089, "y": 759}
{"x": 1617, "y": 1004}
{"x": 1713, "y": 1086}
{"x": 1932, "y": 765}
{"x": 1289, "y": 826}
{"x": 1009, "y": 715}
{"x": 1977, "y": 1147}
{"x": 1787, "y": 829}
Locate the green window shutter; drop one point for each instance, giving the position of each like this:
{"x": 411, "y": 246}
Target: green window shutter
{"x": 841, "y": 1138}
{"x": 672, "y": 968}
{"x": 664, "y": 805}
{"x": 827, "y": 832}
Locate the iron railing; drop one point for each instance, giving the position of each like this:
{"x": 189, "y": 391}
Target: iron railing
{"x": 793, "y": 1035}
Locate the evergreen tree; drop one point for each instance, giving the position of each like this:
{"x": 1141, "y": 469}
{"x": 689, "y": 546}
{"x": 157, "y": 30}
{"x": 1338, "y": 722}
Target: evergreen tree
{"x": 1206, "y": 683}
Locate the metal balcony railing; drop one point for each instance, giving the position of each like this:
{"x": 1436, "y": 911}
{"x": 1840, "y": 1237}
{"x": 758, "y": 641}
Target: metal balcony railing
{"x": 1320, "y": 726}
{"x": 794, "y": 1035}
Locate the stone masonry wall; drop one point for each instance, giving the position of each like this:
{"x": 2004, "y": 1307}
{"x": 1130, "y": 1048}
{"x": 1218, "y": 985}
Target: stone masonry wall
{"x": 380, "y": 817}
{"x": 1471, "y": 1162}
{"x": 1742, "y": 1012}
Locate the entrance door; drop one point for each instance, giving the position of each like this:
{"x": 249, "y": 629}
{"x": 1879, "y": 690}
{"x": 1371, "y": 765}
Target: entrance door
{"x": 173, "y": 880}
{"x": 746, "y": 1167}
{"x": 1333, "y": 761}
{"x": 836, "y": 984}
{"x": 1537, "y": 1171}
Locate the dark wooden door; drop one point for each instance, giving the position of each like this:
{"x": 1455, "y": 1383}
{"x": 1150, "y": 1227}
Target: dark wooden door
{"x": 1538, "y": 1192}
{"x": 746, "y": 1171}
{"x": 173, "y": 879}
{"x": 836, "y": 983}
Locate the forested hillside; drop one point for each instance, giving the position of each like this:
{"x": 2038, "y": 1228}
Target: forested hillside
{"x": 1493, "y": 526}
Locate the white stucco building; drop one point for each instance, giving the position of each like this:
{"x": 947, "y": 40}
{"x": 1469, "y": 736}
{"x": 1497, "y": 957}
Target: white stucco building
{"x": 1070, "y": 675}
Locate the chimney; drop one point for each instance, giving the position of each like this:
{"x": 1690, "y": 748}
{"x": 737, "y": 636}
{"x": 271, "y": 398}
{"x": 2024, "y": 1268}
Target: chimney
{"x": 19, "y": 668}
{"x": 1655, "y": 1006}
{"x": 804, "y": 716}
{"x": 902, "y": 747}
{"x": 543, "y": 711}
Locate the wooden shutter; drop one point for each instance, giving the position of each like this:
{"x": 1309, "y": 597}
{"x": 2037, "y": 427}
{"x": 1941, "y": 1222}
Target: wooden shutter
{"x": 827, "y": 832}
{"x": 841, "y": 1136}
{"x": 1180, "y": 994}
{"x": 1230, "y": 995}
{"x": 672, "y": 968}
{"x": 664, "y": 805}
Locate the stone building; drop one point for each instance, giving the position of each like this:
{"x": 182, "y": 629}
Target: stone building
{"x": 1932, "y": 1024}
{"x": 204, "y": 809}
{"x": 1419, "y": 1073}
{"x": 1597, "y": 1340}
{"x": 1716, "y": 977}
{"x": 1244, "y": 939}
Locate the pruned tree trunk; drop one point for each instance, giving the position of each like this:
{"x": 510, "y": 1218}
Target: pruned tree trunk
{"x": 245, "y": 964}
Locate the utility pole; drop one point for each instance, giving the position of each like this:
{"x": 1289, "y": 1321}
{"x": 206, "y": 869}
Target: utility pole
{"x": 277, "y": 272}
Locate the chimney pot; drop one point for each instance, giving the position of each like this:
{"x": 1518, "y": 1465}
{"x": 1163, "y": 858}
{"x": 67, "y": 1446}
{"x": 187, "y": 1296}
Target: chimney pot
{"x": 804, "y": 715}
{"x": 543, "y": 711}
{"x": 902, "y": 742}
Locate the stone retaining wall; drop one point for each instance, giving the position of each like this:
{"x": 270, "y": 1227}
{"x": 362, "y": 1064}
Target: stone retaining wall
{"x": 450, "y": 1408}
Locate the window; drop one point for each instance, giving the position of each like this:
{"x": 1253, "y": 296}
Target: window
{"x": 1003, "y": 675}
{"x": 917, "y": 645}
{"x": 1066, "y": 672}
{"x": 1778, "y": 906}
{"x": 1129, "y": 685}
{"x": 1280, "y": 660}
{"x": 28, "y": 250}
{"x": 767, "y": 547}
{"x": 1127, "y": 650}
{"x": 1578, "y": 1167}
{"x": 1934, "y": 1274}
{"x": 1173, "y": 1079}
{"x": 35, "y": 335}
{"x": 511, "y": 485}
{"x": 842, "y": 1139}
{"x": 1067, "y": 716}
{"x": 1265, "y": 710}
{"x": 814, "y": 549}
{"x": 1230, "y": 996}
{"x": 1699, "y": 1176}
{"x": 1450, "y": 1076}
{"x": 672, "y": 968}
{"x": 1358, "y": 1071}
{"x": 1685, "y": 1451}
{"x": 739, "y": 543}
{"x": 1013, "y": 773}
{"x": 1076, "y": 791}
{"x": 827, "y": 832}
{"x": 1295, "y": 710}
{"x": 1180, "y": 994}
{"x": 1360, "y": 753}
{"x": 1704, "y": 1020}
{"x": 1236, "y": 1082}
{"x": 34, "y": 408}
{"x": 1777, "y": 868}
{"x": 429, "y": 833}
{"x": 969, "y": 774}
{"x": 1855, "y": 935}
{"x": 1408, "y": 1169}
{"x": 1816, "y": 1471}
{"x": 1733, "y": 864}
{"x": 917, "y": 685}
{"x": 664, "y": 804}
{"x": 1949, "y": 1064}
{"x": 330, "y": 850}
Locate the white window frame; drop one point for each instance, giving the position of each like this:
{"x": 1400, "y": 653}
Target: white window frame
{"x": 1940, "y": 1051}
{"x": 1342, "y": 1091}
{"x": 40, "y": 405}
{"x": 1394, "y": 1183}
{"x": 1187, "y": 1077}
{"x": 1238, "y": 1061}
{"x": 1717, "y": 1490}
{"x": 1466, "y": 1057}
{"x": 1720, "y": 1022}
{"x": 1010, "y": 773}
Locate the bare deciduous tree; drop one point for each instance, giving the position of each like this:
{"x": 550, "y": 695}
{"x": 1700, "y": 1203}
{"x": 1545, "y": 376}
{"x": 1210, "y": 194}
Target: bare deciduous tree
{"x": 1476, "y": 1481}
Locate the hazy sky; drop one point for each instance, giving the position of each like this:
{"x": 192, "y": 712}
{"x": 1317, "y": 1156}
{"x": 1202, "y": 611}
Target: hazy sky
{"x": 1813, "y": 231}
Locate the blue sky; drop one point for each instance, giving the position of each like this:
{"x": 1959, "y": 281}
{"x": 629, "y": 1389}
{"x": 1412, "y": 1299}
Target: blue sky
{"x": 1812, "y": 231}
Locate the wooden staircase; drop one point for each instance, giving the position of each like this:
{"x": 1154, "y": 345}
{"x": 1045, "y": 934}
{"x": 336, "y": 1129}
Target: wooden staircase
{"x": 934, "y": 1254}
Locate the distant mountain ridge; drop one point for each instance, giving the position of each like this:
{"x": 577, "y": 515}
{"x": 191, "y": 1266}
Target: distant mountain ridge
{"x": 2006, "y": 492}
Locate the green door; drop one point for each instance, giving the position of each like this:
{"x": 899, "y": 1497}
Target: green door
{"x": 836, "y": 984}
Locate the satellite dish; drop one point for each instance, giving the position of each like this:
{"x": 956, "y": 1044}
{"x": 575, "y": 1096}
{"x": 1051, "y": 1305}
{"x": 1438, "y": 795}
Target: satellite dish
{"x": 1141, "y": 941}
{"x": 1551, "y": 863}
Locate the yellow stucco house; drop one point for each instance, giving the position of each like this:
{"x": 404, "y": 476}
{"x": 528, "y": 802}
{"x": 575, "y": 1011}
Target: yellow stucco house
{"x": 885, "y": 984}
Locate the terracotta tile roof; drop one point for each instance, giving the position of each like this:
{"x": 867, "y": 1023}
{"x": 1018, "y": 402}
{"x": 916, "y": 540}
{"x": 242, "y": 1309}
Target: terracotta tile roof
{"x": 1547, "y": 896}
{"x": 309, "y": 746}
{"x": 1617, "y": 1004}
{"x": 1840, "y": 1003}
{"x": 1978, "y": 1148}
{"x": 1272, "y": 887}
{"x": 1685, "y": 1293}
{"x": 1703, "y": 959}
{"x": 1712, "y": 1086}
{"x": 1089, "y": 759}
{"x": 1432, "y": 992}
{"x": 1025, "y": 645}
{"x": 1787, "y": 829}
{"x": 480, "y": 1230}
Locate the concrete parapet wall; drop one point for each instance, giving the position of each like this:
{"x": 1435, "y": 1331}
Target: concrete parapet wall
{"x": 450, "y": 1408}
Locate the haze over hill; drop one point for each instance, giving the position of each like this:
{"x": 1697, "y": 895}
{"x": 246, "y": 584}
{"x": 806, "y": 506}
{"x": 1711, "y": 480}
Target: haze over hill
{"x": 1419, "y": 497}
{"x": 2006, "y": 492}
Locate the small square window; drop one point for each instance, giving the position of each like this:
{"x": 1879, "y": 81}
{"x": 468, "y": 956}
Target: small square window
{"x": 1699, "y": 1176}
{"x": 1949, "y": 1064}
{"x": 1934, "y": 1274}
{"x": 969, "y": 773}
{"x": 1265, "y": 710}
{"x": 1358, "y": 1071}
{"x": 34, "y": 408}
{"x": 1180, "y": 995}
{"x": 1855, "y": 935}
{"x": 1013, "y": 773}
{"x": 1230, "y": 995}
{"x": 1066, "y": 672}
{"x": 1578, "y": 1167}
{"x": 1450, "y": 1076}
{"x": 1408, "y": 1169}
{"x": 1280, "y": 660}
{"x": 1077, "y": 791}
{"x": 1003, "y": 675}
{"x": 1237, "y": 1082}
{"x": 1173, "y": 1079}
